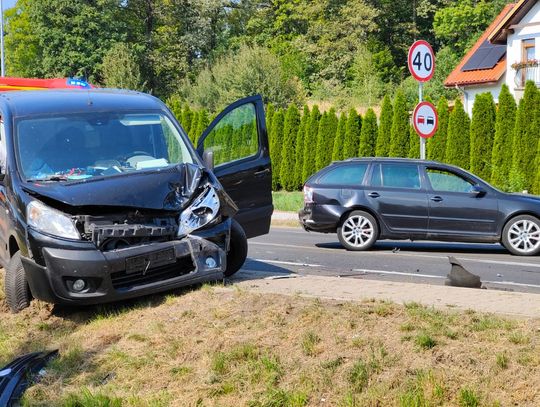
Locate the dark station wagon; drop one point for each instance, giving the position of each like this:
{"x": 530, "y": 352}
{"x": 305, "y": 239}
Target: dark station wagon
{"x": 364, "y": 200}
{"x": 104, "y": 197}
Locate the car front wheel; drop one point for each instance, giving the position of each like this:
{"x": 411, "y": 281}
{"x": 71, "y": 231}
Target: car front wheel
{"x": 236, "y": 256}
{"x": 521, "y": 235}
{"x": 18, "y": 295}
{"x": 358, "y": 231}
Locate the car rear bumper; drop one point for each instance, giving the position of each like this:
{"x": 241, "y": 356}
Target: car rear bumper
{"x": 124, "y": 273}
{"x": 320, "y": 218}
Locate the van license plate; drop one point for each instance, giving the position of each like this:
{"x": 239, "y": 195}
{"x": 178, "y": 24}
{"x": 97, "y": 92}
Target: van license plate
{"x": 150, "y": 261}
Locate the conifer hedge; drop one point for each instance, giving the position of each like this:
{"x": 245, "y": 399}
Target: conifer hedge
{"x": 501, "y": 158}
{"x": 436, "y": 145}
{"x": 288, "y": 151}
{"x": 353, "y": 129}
{"x": 368, "y": 135}
{"x": 385, "y": 128}
{"x": 482, "y": 132}
{"x": 458, "y": 141}
{"x": 310, "y": 143}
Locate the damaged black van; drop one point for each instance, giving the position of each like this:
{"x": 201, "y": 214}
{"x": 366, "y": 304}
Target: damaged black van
{"x": 104, "y": 197}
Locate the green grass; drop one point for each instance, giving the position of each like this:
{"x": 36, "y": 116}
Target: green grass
{"x": 288, "y": 201}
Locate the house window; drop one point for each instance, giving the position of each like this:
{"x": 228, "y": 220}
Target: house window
{"x": 528, "y": 54}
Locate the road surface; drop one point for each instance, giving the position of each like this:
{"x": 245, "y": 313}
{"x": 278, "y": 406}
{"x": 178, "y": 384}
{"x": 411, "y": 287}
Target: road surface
{"x": 292, "y": 250}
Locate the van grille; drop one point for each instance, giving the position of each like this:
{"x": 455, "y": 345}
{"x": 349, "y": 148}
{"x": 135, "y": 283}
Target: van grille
{"x": 123, "y": 281}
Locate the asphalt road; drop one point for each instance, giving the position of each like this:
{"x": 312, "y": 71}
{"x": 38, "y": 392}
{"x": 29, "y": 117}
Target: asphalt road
{"x": 292, "y": 250}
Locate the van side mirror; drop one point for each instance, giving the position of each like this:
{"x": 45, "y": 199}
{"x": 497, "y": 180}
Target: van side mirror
{"x": 208, "y": 159}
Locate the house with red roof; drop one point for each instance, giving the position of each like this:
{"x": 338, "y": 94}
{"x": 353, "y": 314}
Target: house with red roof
{"x": 505, "y": 53}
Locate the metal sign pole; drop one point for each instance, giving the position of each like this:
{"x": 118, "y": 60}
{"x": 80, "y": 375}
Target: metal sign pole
{"x": 422, "y": 139}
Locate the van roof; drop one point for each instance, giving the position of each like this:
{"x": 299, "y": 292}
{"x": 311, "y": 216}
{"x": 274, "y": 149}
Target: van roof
{"x": 42, "y": 102}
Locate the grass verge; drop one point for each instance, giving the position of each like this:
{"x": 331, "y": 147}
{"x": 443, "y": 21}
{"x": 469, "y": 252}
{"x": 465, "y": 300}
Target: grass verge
{"x": 220, "y": 347}
{"x": 288, "y": 201}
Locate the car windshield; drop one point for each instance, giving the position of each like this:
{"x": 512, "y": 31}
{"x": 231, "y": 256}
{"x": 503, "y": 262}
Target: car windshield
{"x": 75, "y": 147}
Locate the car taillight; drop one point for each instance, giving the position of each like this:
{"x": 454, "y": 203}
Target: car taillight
{"x": 308, "y": 194}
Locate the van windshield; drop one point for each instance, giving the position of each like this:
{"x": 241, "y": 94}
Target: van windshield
{"x": 75, "y": 147}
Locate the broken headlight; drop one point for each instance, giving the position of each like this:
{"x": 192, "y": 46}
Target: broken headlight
{"x": 48, "y": 220}
{"x": 201, "y": 212}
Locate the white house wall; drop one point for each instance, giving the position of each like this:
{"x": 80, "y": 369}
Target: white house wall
{"x": 514, "y": 49}
{"x": 470, "y": 93}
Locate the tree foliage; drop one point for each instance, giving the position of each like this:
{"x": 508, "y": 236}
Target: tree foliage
{"x": 501, "y": 159}
{"x": 385, "y": 128}
{"x": 121, "y": 68}
{"x": 482, "y": 131}
{"x": 310, "y": 143}
{"x": 436, "y": 145}
{"x": 276, "y": 141}
{"x": 458, "y": 141}
{"x": 339, "y": 140}
{"x": 352, "y": 134}
{"x": 288, "y": 155}
{"x": 399, "y": 133}
{"x": 300, "y": 136}
{"x": 526, "y": 137}
{"x": 368, "y": 134}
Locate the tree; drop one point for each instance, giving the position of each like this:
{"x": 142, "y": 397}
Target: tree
{"x": 73, "y": 37}
{"x": 501, "y": 159}
{"x": 385, "y": 128}
{"x": 458, "y": 141}
{"x": 339, "y": 140}
{"x": 269, "y": 113}
{"x": 436, "y": 145}
{"x": 288, "y": 155}
{"x": 202, "y": 123}
{"x": 399, "y": 133}
{"x": 368, "y": 134}
{"x": 353, "y": 128}
{"x": 310, "y": 143}
{"x": 120, "y": 68}
{"x": 482, "y": 132}
{"x": 414, "y": 143}
{"x": 536, "y": 186}
{"x": 249, "y": 71}
{"x": 276, "y": 137}
{"x": 300, "y": 136}
{"x": 325, "y": 139}
{"x": 465, "y": 16}
{"x": 526, "y": 136}
{"x": 21, "y": 42}
{"x": 187, "y": 118}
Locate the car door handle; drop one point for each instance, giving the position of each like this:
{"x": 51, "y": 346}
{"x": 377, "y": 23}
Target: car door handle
{"x": 260, "y": 173}
{"x": 436, "y": 199}
{"x": 374, "y": 194}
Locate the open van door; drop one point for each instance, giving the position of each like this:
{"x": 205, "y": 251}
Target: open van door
{"x": 239, "y": 142}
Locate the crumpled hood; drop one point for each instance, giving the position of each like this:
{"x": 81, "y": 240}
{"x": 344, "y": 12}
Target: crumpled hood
{"x": 164, "y": 189}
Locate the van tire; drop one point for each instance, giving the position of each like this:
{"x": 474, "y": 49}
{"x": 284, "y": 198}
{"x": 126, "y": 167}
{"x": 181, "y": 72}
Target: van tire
{"x": 236, "y": 256}
{"x": 18, "y": 294}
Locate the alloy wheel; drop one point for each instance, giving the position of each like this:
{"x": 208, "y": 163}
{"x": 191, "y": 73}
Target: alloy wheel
{"x": 524, "y": 236}
{"x": 358, "y": 231}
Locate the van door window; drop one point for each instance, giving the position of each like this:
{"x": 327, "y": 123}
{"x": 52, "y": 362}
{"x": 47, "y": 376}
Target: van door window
{"x": 235, "y": 136}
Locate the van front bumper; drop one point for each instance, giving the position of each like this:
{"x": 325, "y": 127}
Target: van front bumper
{"x": 124, "y": 273}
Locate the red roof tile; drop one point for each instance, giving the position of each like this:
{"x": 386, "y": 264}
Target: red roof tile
{"x": 479, "y": 76}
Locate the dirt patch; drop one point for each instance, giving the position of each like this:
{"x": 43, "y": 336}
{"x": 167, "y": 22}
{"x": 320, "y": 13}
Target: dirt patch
{"x": 218, "y": 348}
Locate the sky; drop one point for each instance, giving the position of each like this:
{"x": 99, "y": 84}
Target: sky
{"x": 9, "y": 3}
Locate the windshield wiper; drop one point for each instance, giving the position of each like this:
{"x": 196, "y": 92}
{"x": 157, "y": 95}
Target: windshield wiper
{"x": 49, "y": 178}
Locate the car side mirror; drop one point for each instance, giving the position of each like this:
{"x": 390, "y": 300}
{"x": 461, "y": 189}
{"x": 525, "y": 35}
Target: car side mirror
{"x": 208, "y": 159}
{"x": 477, "y": 191}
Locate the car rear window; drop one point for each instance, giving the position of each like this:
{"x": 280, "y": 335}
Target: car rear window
{"x": 396, "y": 176}
{"x": 344, "y": 174}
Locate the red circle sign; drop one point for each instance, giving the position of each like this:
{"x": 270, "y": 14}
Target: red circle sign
{"x": 425, "y": 119}
{"x": 421, "y": 61}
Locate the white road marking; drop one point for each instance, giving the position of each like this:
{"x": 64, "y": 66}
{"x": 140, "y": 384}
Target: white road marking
{"x": 398, "y": 273}
{"x": 512, "y": 283}
{"x": 499, "y": 262}
{"x": 287, "y": 263}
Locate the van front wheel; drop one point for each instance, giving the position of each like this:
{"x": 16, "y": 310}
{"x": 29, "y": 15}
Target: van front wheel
{"x": 18, "y": 294}
{"x": 236, "y": 256}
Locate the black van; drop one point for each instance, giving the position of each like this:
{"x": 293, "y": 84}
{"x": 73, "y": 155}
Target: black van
{"x": 104, "y": 197}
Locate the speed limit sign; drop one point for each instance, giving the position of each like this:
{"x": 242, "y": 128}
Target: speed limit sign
{"x": 421, "y": 61}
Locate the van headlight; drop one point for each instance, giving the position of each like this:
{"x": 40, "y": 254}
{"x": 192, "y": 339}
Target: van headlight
{"x": 48, "y": 220}
{"x": 201, "y": 212}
